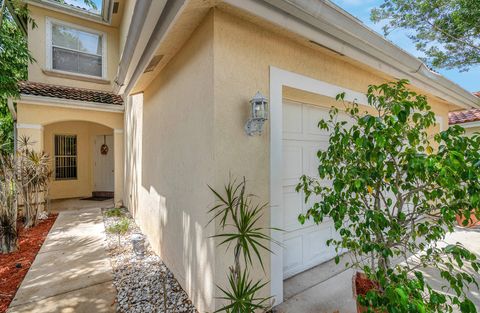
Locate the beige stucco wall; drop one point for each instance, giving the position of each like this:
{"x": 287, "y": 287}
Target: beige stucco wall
{"x": 243, "y": 54}
{"x": 187, "y": 131}
{"x": 41, "y": 122}
{"x": 470, "y": 131}
{"x": 29, "y": 113}
{"x": 85, "y": 132}
{"x": 37, "y": 45}
{"x": 170, "y": 161}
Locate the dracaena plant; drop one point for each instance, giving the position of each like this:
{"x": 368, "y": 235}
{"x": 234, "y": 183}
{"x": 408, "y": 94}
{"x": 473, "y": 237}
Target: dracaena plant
{"x": 395, "y": 190}
{"x": 33, "y": 175}
{"x": 238, "y": 218}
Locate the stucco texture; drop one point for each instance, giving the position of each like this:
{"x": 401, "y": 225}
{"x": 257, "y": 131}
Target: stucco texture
{"x": 37, "y": 38}
{"x": 188, "y": 132}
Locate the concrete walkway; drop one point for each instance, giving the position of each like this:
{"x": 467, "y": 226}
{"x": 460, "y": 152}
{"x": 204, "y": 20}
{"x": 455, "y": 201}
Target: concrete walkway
{"x": 327, "y": 288}
{"x": 72, "y": 272}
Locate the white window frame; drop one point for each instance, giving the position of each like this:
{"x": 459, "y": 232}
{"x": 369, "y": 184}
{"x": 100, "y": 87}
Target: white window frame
{"x": 104, "y": 17}
{"x": 48, "y": 45}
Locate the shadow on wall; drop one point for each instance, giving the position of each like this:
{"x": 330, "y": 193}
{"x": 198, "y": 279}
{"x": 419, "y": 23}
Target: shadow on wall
{"x": 175, "y": 226}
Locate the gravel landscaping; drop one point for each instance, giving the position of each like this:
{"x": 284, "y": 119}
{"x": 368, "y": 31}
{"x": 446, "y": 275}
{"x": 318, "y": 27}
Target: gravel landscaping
{"x": 143, "y": 284}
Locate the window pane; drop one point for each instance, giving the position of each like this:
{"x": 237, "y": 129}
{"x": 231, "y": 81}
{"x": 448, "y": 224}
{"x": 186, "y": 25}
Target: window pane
{"x": 65, "y": 60}
{"x": 90, "y": 64}
{"x": 90, "y": 43}
{"x": 76, "y": 51}
{"x": 64, "y": 36}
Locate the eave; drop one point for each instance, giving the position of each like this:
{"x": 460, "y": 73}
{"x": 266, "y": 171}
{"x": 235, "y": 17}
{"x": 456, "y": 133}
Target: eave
{"x": 336, "y": 29}
{"x": 70, "y": 104}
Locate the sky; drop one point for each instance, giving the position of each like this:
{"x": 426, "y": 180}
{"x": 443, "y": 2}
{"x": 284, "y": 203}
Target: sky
{"x": 361, "y": 9}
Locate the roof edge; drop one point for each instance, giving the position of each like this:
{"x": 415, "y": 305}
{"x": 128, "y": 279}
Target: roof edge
{"x": 342, "y": 32}
{"x": 72, "y": 104}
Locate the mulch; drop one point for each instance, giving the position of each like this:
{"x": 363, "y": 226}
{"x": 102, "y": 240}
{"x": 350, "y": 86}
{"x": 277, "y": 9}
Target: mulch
{"x": 363, "y": 284}
{"x": 14, "y": 266}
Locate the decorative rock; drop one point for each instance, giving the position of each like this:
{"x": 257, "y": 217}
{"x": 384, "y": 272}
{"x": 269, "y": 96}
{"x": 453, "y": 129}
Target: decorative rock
{"x": 140, "y": 281}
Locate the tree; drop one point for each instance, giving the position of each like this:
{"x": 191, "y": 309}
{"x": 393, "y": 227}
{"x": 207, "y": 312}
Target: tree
{"x": 447, "y": 31}
{"x": 14, "y": 60}
{"x": 395, "y": 193}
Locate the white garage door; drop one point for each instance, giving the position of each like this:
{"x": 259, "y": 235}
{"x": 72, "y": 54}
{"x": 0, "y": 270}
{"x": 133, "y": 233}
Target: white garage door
{"x": 303, "y": 245}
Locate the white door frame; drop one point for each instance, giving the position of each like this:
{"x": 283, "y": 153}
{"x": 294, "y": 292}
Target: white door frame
{"x": 278, "y": 79}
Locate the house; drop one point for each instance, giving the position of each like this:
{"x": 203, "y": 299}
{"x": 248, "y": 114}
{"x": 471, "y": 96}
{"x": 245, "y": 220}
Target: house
{"x": 149, "y": 100}
{"x": 468, "y": 119}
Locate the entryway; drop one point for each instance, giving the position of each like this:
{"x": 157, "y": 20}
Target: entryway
{"x": 83, "y": 159}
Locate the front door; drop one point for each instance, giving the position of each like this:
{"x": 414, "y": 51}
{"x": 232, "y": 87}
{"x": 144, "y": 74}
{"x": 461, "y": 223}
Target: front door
{"x": 103, "y": 171}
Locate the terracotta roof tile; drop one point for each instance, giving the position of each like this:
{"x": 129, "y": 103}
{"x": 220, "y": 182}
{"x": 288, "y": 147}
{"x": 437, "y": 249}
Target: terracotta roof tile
{"x": 465, "y": 116}
{"x": 69, "y": 93}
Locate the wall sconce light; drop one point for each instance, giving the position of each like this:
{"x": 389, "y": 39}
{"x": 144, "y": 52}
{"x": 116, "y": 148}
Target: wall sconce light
{"x": 258, "y": 114}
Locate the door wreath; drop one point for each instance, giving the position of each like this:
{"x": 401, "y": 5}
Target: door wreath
{"x": 104, "y": 148}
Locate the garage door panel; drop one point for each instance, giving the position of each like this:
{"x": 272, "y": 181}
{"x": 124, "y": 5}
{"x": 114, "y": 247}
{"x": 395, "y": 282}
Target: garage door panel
{"x": 293, "y": 207}
{"x": 312, "y": 116}
{"x": 294, "y": 259}
{"x": 314, "y": 244}
{"x": 293, "y": 160}
{"x": 304, "y": 245}
{"x": 310, "y": 157}
{"x": 292, "y": 118}
{"x": 294, "y": 204}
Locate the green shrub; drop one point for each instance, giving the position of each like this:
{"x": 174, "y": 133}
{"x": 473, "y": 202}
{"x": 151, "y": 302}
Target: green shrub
{"x": 395, "y": 192}
{"x": 115, "y": 212}
{"x": 234, "y": 208}
{"x": 120, "y": 228}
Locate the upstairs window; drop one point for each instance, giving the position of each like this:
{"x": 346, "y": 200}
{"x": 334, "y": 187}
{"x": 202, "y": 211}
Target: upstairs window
{"x": 65, "y": 157}
{"x": 75, "y": 49}
{"x": 99, "y": 10}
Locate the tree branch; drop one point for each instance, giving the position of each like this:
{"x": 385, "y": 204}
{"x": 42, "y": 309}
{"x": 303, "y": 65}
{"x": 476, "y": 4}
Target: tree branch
{"x": 452, "y": 37}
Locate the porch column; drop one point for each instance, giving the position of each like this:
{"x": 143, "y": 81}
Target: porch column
{"x": 119, "y": 171}
{"x": 34, "y": 132}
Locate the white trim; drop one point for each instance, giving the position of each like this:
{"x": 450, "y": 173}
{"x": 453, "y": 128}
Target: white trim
{"x": 57, "y": 7}
{"x": 118, "y": 131}
{"x": 71, "y": 104}
{"x": 29, "y": 126}
{"x": 468, "y": 124}
{"x": 11, "y": 107}
{"x": 48, "y": 46}
{"x": 278, "y": 79}
{"x": 440, "y": 122}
